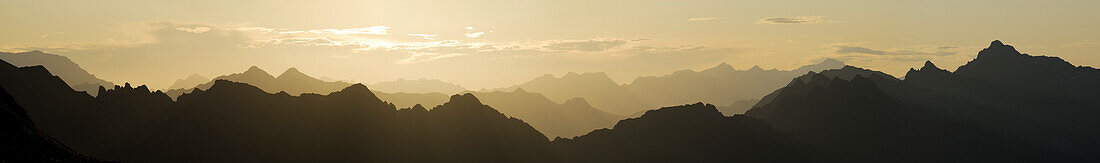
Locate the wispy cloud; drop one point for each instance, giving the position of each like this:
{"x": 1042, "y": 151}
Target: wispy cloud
{"x": 425, "y": 36}
{"x": 475, "y": 34}
{"x": 848, "y": 49}
{"x": 1082, "y": 44}
{"x": 795, "y": 20}
{"x": 585, "y": 45}
{"x": 373, "y": 30}
{"x": 702, "y": 19}
{"x": 196, "y": 30}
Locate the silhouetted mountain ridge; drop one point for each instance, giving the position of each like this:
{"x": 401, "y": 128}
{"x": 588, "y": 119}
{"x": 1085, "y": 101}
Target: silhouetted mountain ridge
{"x": 76, "y": 77}
{"x": 1002, "y": 106}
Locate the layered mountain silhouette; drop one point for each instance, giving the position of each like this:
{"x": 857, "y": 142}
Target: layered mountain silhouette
{"x": 291, "y": 81}
{"x": 191, "y": 81}
{"x": 688, "y": 133}
{"x": 70, "y": 72}
{"x": 721, "y": 85}
{"x": 553, "y": 119}
{"x": 417, "y": 86}
{"x": 1002, "y": 106}
{"x": 238, "y": 122}
{"x": 22, "y": 141}
{"x": 602, "y": 92}
{"x": 574, "y": 117}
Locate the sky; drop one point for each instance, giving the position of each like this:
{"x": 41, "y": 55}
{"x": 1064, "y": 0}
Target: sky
{"x": 497, "y": 43}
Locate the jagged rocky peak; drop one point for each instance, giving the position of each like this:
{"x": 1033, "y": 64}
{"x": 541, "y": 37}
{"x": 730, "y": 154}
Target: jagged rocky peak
{"x": 928, "y": 65}
{"x": 996, "y": 48}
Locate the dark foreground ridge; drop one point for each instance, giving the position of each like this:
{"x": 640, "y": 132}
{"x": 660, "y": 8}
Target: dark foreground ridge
{"x": 1004, "y": 106}
{"x": 688, "y": 133}
{"x": 22, "y": 141}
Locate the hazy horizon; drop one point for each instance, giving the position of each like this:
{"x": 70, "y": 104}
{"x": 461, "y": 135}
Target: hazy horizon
{"x": 156, "y": 43}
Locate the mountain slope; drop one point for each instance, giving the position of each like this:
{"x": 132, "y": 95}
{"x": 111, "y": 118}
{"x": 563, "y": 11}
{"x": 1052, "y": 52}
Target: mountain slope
{"x": 597, "y": 88}
{"x": 22, "y": 141}
{"x": 190, "y": 82}
{"x": 70, "y": 72}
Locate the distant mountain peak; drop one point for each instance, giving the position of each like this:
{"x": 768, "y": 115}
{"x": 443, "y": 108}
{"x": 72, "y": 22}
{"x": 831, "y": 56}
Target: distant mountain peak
{"x": 928, "y": 65}
{"x": 292, "y": 72}
{"x": 195, "y": 76}
{"x": 826, "y": 64}
{"x": 254, "y": 68}
{"x": 520, "y": 90}
{"x": 830, "y": 61}
{"x": 723, "y": 65}
{"x": 756, "y": 68}
{"x": 256, "y": 71}
{"x": 576, "y": 102}
{"x": 292, "y": 69}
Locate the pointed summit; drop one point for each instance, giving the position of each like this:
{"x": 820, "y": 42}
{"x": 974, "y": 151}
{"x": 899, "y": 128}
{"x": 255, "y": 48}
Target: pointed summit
{"x": 928, "y": 65}
{"x": 722, "y": 68}
{"x": 520, "y": 90}
{"x": 756, "y": 68}
{"x": 255, "y": 69}
{"x": 723, "y": 64}
{"x": 293, "y": 72}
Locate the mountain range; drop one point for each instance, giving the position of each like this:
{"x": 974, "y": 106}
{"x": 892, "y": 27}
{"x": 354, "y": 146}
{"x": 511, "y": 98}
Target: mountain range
{"x": 574, "y": 117}
{"x": 291, "y": 81}
{"x": 238, "y": 122}
{"x": 417, "y": 86}
{"x": 721, "y": 85}
{"x": 1003, "y": 106}
{"x": 553, "y": 119}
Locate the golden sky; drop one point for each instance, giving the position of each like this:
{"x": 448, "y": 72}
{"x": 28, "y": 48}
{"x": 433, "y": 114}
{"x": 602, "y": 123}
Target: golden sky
{"x": 496, "y": 43}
